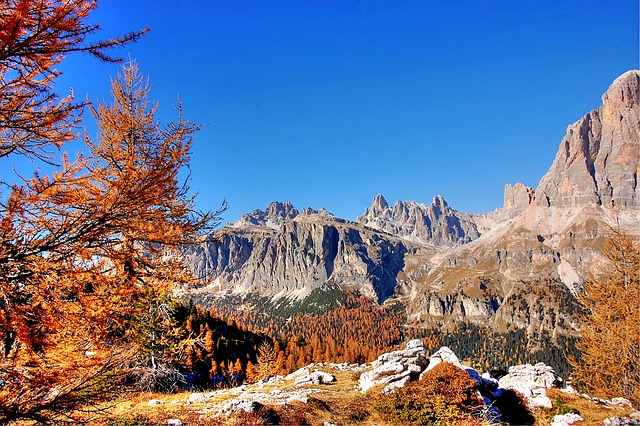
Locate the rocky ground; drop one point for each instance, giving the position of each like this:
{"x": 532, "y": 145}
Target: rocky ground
{"x": 325, "y": 394}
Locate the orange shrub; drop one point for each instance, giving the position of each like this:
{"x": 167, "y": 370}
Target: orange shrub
{"x": 446, "y": 395}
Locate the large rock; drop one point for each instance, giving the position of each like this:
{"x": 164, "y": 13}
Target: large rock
{"x": 395, "y": 369}
{"x": 315, "y": 378}
{"x": 566, "y": 419}
{"x": 531, "y": 381}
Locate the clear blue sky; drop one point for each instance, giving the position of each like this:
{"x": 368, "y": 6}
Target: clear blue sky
{"x": 327, "y": 103}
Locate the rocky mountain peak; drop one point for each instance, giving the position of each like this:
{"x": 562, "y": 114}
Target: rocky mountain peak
{"x": 439, "y": 205}
{"x": 379, "y": 202}
{"x": 436, "y": 223}
{"x": 623, "y": 92}
{"x": 272, "y": 217}
{"x": 598, "y": 161}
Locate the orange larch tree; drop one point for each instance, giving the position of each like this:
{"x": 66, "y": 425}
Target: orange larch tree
{"x": 35, "y": 36}
{"x": 85, "y": 251}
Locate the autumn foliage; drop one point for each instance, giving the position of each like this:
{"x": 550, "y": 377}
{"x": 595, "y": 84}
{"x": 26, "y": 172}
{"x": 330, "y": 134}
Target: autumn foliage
{"x": 35, "y": 36}
{"x": 610, "y": 335}
{"x": 90, "y": 248}
{"x": 445, "y": 395}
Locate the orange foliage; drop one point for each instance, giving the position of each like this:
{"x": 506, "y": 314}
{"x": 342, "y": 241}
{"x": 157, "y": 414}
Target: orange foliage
{"x": 35, "y": 36}
{"x": 445, "y": 395}
{"x": 83, "y": 252}
{"x": 452, "y": 382}
{"x": 356, "y": 331}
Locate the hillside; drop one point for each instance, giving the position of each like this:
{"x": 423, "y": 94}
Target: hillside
{"x": 428, "y": 387}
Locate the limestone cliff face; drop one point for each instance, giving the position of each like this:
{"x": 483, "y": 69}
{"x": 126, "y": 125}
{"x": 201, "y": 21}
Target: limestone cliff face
{"x": 518, "y": 197}
{"x": 436, "y": 223}
{"x": 599, "y": 159}
{"x": 302, "y": 255}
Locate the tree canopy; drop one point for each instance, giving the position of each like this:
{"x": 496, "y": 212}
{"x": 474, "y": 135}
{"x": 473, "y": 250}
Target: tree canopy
{"x": 84, "y": 250}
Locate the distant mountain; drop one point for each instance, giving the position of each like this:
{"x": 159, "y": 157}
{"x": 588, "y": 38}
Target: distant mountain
{"x": 272, "y": 217}
{"x": 436, "y": 223}
{"x": 311, "y": 251}
{"x": 517, "y": 267}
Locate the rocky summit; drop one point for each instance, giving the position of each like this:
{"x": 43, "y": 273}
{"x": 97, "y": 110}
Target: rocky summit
{"x": 518, "y": 267}
{"x": 436, "y": 223}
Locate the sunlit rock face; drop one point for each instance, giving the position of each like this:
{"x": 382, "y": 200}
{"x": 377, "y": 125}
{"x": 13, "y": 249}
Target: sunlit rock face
{"x": 599, "y": 158}
{"x": 304, "y": 253}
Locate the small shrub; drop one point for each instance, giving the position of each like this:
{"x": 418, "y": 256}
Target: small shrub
{"x": 448, "y": 380}
{"x": 358, "y": 410}
{"x": 261, "y": 417}
{"x": 446, "y": 395}
{"x": 137, "y": 419}
{"x": 560, "y": 407}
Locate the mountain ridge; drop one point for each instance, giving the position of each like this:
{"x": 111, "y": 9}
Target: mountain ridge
{"x": 446, "y": 266}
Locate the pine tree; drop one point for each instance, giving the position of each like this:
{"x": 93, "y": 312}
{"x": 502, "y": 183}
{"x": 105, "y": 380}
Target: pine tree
{"x": 252, "y": 375}
{"x": 269, "y": 361}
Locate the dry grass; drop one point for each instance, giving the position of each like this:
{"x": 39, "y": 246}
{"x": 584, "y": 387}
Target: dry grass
{"x": 592, "y": 413}
{"x": 338, "y": 403}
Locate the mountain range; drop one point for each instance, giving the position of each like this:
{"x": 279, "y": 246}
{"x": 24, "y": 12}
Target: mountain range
{"x": 520, "y": 266}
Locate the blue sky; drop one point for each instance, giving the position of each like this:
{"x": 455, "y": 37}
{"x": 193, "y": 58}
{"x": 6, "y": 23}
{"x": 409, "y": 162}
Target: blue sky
{"x": 327, "y": 103}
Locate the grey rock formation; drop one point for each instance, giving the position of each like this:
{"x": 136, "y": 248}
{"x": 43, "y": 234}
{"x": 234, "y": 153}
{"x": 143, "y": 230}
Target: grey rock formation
{"x": 395, "y": 369}
{"x": 518, "y": 197}
{"x": 303, "y": 255}
{"x": 315, "y": 378}
{"x": 599, "y": 159}
{"x": 566, "y": 419}
{"x": 621, "y": 421}
{"x": 436, "y": 223}
{"x": 531, "y": 381}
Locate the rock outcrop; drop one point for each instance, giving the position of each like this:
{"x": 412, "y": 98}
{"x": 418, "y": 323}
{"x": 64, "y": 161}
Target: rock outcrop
{"x": 436, "y": 223}
{"x": 395, "y": 369}
{"x": 517, "y": 198}
{"x": 532, "y": 381}
{"x": 598, "y": 162}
